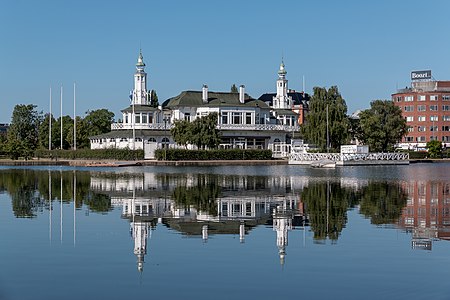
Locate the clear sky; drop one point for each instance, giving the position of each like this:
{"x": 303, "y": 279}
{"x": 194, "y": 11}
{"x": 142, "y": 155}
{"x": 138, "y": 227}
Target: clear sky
{"x": 366, "y": 48}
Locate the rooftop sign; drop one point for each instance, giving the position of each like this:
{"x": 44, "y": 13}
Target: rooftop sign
{"x": 415, "y": 75}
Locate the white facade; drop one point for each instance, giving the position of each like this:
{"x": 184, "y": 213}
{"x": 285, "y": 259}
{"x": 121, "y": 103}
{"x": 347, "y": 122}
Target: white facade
{"x": 243, "y": 121}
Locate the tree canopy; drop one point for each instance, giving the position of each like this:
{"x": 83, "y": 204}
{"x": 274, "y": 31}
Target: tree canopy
{"x": 382, "y": 126}
{"x": 315, "y": 128}
{"x": 202, "y": 132}
{"x": 23, "y": 131}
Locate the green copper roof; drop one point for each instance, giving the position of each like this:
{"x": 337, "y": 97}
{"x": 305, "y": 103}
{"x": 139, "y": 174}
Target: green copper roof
{"x": 215, "y": 99}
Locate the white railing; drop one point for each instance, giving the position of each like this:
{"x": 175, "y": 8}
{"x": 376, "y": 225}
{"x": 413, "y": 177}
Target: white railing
{"x": 394, "y": 156}
{"x": 157, "y": 126}
{"x": 162, "y": 126}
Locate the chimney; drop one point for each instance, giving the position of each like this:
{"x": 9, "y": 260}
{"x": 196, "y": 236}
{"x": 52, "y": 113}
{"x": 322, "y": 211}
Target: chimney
{"x": 205, "y": 93}
{"x": 242, "y": 94}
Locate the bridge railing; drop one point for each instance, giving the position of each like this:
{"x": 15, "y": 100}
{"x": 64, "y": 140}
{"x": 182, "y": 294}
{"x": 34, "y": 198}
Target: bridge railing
{"x": 397, "y": 156}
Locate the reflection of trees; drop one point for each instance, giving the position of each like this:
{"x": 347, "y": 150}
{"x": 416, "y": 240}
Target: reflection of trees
{"x": 382, "y": 202}
{"x": 29, "y": 190}
{"x": 327, "y": 213}
{"x": 202, "y": 196}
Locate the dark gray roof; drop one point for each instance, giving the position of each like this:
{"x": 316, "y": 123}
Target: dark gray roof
{"x": 215, "y": 99}
{"x": 139, "y": 108}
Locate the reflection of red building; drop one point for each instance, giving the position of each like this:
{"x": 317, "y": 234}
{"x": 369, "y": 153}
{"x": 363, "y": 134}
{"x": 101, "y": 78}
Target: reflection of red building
{"x": 427, "y": 213}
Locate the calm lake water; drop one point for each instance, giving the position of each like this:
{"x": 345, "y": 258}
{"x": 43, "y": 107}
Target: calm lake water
{"x": 256, "y": 232}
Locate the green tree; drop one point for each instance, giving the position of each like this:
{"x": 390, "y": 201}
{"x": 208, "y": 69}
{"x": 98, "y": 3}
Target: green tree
{"x": 181, "y": 132}
{"x": 154, "y": 99}
{"x": 234, "y": 89}
{"x": 44, "y": 132}
{"x": 434, "y": 149}
{"x": 204, "y": 132}
{"x": 382, "y": 125}
{"x": 67, "y": 130}
{"x": 23, "y": 133}
{"x": 96, "y": 122}
{"x": 315, "y": 128}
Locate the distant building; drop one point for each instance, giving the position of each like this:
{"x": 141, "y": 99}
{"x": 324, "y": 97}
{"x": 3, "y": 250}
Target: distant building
{"x": 4, "y": 129}
{"x": 426, "y": 108}
{"x": 244, "y": 122}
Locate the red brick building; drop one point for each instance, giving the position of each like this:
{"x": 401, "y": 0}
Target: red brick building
{"x": 426, "y": 107}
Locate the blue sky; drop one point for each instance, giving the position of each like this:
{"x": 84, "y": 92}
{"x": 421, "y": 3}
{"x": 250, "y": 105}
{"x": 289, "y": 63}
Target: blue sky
{"x": 366, "y": 48}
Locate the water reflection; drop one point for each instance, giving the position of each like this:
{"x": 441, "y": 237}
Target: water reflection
{"x": 204, "y": 205}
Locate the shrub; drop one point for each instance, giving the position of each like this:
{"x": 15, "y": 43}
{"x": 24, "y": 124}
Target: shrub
{"x": 116, "y": 154}
{"x": 221, "y": 154}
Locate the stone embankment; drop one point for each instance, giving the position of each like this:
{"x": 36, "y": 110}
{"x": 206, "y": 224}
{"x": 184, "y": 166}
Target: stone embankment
{"x": 115, "y": 163}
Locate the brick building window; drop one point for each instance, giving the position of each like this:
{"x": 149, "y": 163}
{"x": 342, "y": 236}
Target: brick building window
{"x": 409, "y": 139}
{"x": 433, "y": 118}
{"x": 421, "y": 108}
{"x": 422, "y": 128}
{"x": 421, "y": 118}
{"x": 421, "y": 139}
{"x": 421, "y": 98}
{"x": 445, "y": 107}
{"x": 445, "y": 128}
{"x": 433, "y": 98}
{"x": 409, "y": 98}
{"x": 446, "y": 97}
{"x": 445, "y": 118}
{"x": 433, "y": 128}
{"x": 409, "y": 108}
{"x": 433, "y": 107}
{"x": 398, "y": 99}
{"x": 410, "y": 119}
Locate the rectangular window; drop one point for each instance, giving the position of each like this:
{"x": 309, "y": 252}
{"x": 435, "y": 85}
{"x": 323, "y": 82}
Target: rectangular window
{"x": 150, "y": 118}
{"x": 237, "y": 118}
{"x": 446, "y": 138}
{"x": 409, "y": 119}
{"x": 409, "y": 98}
{"x": 398, "y": 99}
{"x": 445, "y": 128}
{"x": 224, "y": 118}
{"x": 410, "y": 129}
{"x": 126, "y": 119}
{"x": 433, "y": 98}
{"x": 445, "y": 107}
{"x": 187, "y": 117}
{"x": 248, "y": 118}
{"x": 422, "y": 128}
{"x": 144, "y": 119}
{"x": 409, "y": 108}
{"x": 433, "y": 107}
{"x": 421, "y": 98}
{"x": 433, "y": 128}
{"x": 421, "y": 139}
{"x": 421, "y": 118}
{"x": 137, "y": 119}
{"x": 409, "y": 139}
{"x": 445, "y": 118}
{"x": 446, "y": 97}
{"x": 433, "y": 118}
{"x": 421, "y": 108}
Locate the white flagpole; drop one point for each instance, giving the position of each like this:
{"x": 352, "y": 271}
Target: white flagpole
{"x": 61, "y": 119}
{"x": 50, "y": 123}
{"x": 74, "y": 121}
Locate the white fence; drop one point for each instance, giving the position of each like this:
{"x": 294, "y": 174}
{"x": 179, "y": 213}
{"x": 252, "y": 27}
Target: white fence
{"x": 308, "y": 158}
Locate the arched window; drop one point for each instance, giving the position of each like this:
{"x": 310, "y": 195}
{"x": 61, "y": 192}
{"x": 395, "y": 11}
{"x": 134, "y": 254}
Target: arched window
{"x": 165, "y": 143}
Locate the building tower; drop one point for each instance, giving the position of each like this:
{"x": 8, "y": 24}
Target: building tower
{"x": 282, "y": 100}
{"x": 140, "y": 94}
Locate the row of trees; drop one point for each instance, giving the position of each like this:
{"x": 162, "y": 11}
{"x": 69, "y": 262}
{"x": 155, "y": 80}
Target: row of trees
{"x": 29, "y": 130}
{"x": 328, "y": 126}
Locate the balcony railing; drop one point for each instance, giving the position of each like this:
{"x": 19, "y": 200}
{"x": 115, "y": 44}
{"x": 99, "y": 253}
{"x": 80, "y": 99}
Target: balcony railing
{"x": 162, "y": 126}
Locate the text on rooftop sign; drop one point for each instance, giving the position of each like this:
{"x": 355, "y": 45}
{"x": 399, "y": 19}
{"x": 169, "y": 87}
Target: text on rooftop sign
{"x": 421, "y": 75}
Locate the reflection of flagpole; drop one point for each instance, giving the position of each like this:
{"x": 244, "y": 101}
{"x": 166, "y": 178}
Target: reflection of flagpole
{"x": 50, "y": 200}
{"x": 61, "y": 208}
{"x": 74, "y": 205}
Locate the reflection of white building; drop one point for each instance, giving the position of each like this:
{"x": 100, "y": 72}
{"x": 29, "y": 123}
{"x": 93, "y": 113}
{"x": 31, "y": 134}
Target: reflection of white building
{"x": 282, "y": 223}
{"x": 244, "y": 122}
